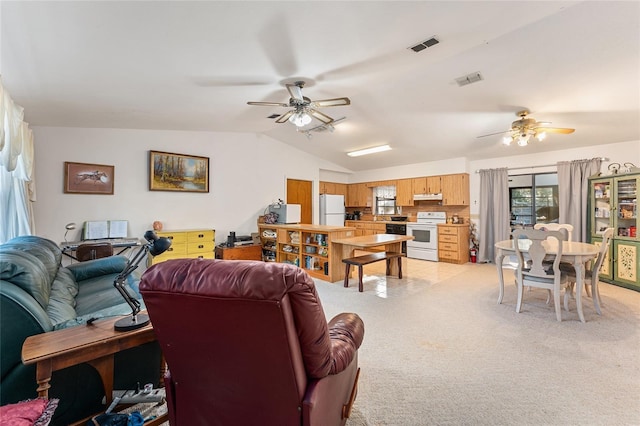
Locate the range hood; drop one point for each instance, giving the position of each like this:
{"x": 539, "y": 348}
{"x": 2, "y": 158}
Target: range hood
{"x": 420, "y": 197}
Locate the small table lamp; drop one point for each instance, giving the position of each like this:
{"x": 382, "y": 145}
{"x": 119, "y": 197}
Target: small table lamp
{"x": 155, "y": 246}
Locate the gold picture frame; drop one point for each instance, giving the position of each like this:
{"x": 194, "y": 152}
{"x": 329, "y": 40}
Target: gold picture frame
{"x": 178, "y": 172}
{"x": 85, "y": 178}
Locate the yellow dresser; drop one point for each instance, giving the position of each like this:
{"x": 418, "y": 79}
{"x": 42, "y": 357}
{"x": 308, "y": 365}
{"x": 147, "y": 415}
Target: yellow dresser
{"x": 188, "y": 244}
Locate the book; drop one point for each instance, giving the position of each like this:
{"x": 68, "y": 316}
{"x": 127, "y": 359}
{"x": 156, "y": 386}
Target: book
{"x": 101, "y": 229}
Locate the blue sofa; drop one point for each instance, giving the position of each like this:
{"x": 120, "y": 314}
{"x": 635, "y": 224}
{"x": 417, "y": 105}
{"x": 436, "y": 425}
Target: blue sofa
{"x": 39, "y": 295}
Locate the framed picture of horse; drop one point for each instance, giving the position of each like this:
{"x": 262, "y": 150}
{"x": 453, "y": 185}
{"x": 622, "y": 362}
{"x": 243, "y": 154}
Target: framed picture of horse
{"x": 83, "y": 178}
{"x": 178, "y": 172}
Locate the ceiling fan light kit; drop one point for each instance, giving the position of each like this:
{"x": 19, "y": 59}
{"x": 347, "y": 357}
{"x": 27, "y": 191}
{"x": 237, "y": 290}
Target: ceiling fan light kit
{"x": 304, "y": 108}
{"x": 523, "y": 129}
{"x": 367, "y": 151}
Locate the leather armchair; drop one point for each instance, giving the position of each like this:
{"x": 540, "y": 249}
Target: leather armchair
{"x": 248, "y": 343}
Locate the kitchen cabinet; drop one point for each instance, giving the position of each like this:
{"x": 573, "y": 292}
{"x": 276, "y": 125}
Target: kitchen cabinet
{"x": 404, "y": 192}
{"x": 613, "y": 203}
{"x": 359, "y": 195}
{"x": 455, "y": 189}
{"x": 419, "y": 185}
{"x": 333, "y": 188}
{"x": 188, "y": 244}
{"x": 453, "y": 243}
{"x": 434, "y": 185}
{"x": 308, "y": 246}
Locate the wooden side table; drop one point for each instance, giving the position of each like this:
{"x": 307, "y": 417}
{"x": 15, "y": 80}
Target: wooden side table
{"x": 247, "y": 252}
{"x": 94, "y": 344}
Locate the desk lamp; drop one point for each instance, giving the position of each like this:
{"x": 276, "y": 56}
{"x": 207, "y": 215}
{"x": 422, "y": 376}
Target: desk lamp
{"x": 155, "y": 246}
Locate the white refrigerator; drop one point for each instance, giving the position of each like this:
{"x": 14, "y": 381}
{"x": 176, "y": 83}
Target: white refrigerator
{"x": 332, "y": 210}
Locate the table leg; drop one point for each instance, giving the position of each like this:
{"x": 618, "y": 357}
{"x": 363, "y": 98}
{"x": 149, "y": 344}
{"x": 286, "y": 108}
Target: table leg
{"x": 104, "y": 367}
{"x": 395, "y": 248}
{"x": 43, "y": 377}
{"x": 578, "y": 265}
{"x": 499, "y": 259}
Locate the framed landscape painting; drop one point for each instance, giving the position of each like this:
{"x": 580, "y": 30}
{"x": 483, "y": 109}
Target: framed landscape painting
{"x": 178, "y": 172}
{"x": 83, "y": 178}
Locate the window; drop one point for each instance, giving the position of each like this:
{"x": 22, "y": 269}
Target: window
{"x": 385, "y": 200}
{"x": 533, "y": 198}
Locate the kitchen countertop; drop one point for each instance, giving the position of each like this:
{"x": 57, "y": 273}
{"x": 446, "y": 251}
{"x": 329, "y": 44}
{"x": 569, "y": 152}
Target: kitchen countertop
{"x": 381, "y": 221}
{"x": 307, "y": 227}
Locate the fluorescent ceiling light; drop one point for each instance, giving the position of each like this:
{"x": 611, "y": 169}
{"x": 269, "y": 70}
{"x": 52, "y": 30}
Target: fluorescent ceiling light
{"x": 369, "y": 151}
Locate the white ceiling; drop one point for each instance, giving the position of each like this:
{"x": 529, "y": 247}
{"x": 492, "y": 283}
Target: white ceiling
{"x": 194, "y": 65}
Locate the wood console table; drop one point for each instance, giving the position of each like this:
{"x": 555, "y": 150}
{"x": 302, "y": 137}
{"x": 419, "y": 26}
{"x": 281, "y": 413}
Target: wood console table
{"x": 246, "y": 252}
{"x": 94, "y": 344}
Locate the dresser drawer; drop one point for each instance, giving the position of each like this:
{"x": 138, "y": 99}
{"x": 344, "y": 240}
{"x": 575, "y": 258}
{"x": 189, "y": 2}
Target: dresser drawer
{"x": 176, "y": 250}
{"x": 200, "y": 247}
{"x": 176, "y": 238}
{"x": 193, "y": 236}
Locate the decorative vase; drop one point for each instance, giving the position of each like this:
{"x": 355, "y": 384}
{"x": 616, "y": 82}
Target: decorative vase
{"x": 157, "y": 225}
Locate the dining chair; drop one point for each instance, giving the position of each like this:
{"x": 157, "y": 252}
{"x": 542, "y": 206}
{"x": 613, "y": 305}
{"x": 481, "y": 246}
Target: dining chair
{"x": 534, "y": 272}
{"x": 591, "y": 275}
{"x": 562, "y": 227}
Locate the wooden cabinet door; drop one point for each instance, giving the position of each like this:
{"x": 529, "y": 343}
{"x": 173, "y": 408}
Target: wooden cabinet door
{"x": 433, "y": 185}
{"x": 341, "y": 189}
{"x": 455, "y": 190}
{"x": 352, "y": 195}
{"x": 419, "y": 185}
{"x": 365, "y": 195}
{"x": 404, "y": 192}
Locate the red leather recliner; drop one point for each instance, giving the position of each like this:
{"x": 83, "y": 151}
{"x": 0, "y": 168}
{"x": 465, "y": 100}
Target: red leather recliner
{"x": 247, "y": 343}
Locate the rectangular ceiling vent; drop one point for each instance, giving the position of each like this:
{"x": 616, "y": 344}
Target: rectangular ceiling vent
{"x": 421, "y": 46}
{"x": 274, "y": 116}
{"x": 474, "y": 77}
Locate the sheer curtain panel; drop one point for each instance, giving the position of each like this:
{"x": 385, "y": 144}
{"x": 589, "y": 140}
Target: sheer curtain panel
{"x": 573, "y": 193}
{"x": 494, "y": 211}
{"x": 17, "y": 186}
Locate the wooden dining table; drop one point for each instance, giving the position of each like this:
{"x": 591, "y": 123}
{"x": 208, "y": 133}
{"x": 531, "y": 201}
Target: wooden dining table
{"x": 388, "y": 242}
{"x": 573, "y": 252}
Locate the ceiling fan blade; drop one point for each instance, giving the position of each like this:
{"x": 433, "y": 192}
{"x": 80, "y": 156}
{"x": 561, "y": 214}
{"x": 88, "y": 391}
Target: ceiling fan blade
{"x": 295, "y": 92}
{"x": 493, "y": 134}
{"x": 284, "y": 117}
{"x": 320, "y": 116}
{"x": 562, "y": 130}
{"x": 331, "y": 102}
{"x": 268, "y": 104}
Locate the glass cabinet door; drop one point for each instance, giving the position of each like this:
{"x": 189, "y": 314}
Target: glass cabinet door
{"x": 602, "y": 206}
{"x": 626, "y": 207}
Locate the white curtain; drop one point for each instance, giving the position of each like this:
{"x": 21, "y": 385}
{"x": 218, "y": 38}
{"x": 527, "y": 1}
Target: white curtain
{"x": 17, "y": 183}
{"x": 494, "y": 211}
{"x": 573, "y": 193}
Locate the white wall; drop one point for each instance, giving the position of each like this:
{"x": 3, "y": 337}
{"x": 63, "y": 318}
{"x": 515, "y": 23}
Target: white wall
{"x": 247, "y": 173}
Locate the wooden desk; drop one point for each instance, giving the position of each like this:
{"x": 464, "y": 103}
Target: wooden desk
{"x": 389, "y": 242}
{"x": 246, "y": 252}
{"x": 94, "y": 344}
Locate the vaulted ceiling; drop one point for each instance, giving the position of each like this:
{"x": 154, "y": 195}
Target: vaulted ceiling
{"x": 194, "y": 65}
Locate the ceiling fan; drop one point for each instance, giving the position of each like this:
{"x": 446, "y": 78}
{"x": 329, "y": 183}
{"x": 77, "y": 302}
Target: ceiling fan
{"x": 522, "y": 130}
{"x": 303, "y": 107}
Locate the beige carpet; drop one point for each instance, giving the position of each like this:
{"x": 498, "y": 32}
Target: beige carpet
{"x": 439, "y": 350}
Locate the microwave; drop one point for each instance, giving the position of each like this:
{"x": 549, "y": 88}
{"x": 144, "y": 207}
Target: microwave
{"x": 287, "y": 213}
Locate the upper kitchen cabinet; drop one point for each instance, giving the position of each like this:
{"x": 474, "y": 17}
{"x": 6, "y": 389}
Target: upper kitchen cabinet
{"x": 419, "y": 185}
{"x": 333, "y": 188}
{"x": 455, "y": 189}
{"x": 434, "y": 185}
{"x": 404, "y": 192}
{"x": 359, "y": 195}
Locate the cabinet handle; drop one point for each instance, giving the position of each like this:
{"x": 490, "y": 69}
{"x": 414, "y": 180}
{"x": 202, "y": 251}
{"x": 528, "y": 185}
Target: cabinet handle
{"x": 200, "y": 235}
{"x": 200, "y": 246}
{"x": 170, "y": 249}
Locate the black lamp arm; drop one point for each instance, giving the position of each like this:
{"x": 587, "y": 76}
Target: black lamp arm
{"x": 120, "y": 282}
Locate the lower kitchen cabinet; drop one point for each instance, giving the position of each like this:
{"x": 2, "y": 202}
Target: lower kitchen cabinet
{"x": 187, "y": 244}
{"x": 453, "y": 243}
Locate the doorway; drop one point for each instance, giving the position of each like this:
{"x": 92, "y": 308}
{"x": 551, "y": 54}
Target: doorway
{"x": 300, "y": 192}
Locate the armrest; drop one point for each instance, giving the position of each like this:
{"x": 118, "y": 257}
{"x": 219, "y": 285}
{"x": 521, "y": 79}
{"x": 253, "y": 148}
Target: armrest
{"x": 96, "y": 268}
{"x": 346, "y": 332}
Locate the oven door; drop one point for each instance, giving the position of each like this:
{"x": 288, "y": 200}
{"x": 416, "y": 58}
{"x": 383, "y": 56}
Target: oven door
{"x": 425, "y": 236}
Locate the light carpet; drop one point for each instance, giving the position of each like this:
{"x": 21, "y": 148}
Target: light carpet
{"x": 439, "y": 350}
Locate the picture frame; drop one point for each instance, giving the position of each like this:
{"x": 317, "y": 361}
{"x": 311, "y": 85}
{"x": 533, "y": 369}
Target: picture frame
{"x": 178, "y": 172}
{"x": 86, "y": 178}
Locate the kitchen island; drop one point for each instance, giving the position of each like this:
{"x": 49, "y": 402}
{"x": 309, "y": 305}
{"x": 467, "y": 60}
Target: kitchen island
{"x": 310, "y": 247}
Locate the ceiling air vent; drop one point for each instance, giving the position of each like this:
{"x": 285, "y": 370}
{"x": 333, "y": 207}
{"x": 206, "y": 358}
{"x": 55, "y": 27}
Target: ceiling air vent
{"x": 421, "y": 46}
{"x": 469, "y": 78}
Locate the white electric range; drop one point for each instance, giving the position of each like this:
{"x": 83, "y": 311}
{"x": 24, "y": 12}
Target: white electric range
{"x": 425, "y": 233}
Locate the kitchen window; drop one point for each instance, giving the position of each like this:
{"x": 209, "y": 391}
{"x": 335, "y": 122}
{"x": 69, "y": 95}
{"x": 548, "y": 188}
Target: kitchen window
{"x": 533, "y": 198}
{"x": 385, "y": 200}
